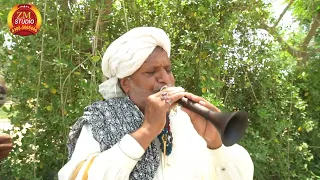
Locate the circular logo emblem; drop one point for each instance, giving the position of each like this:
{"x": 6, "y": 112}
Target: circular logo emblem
{"x": 24, "y": 20}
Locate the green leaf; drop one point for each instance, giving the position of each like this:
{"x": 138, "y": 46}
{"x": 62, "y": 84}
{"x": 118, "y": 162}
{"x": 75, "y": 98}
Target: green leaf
{"x": 203, "y": 71}
{"x": 95, "y": 58}
{"x": 28, "y": 57}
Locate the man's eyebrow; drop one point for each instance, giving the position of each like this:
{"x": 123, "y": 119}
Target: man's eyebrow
{"x": 157, "y": 65}
{"x": 148, "y": 64}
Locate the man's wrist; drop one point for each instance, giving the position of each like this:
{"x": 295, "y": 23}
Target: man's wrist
{"x": 214, "y": 144}
{"x": 144, "y": 136}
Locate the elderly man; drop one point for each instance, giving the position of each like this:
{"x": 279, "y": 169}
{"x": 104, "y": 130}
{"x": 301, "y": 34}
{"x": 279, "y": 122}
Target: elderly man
{"x": 138, "y": 131}
{"x": 5, "y": 139}
{"x": 3, "y": 92}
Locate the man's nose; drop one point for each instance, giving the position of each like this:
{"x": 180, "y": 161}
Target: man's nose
{"x": 164, "y": 77}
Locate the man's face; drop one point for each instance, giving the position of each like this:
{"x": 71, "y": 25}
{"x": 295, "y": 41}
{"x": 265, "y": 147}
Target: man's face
{"x": 150, "y": 77}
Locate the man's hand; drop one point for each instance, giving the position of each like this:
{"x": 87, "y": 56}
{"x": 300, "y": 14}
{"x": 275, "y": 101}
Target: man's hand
{"x": 204, "y": 128}
{"x": 155, "y": 115}
{"x": 5, "y": 145}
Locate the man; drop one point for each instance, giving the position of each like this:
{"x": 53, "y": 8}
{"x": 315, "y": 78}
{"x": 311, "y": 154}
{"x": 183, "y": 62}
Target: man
{"x": 5, "y": 139}
{"x": 5, "y": 145}
{"x": 3, "y": 92}
{"x": 138, "y": 131}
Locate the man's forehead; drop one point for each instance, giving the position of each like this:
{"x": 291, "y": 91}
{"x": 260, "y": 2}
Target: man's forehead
{"x": 157, "y": 60}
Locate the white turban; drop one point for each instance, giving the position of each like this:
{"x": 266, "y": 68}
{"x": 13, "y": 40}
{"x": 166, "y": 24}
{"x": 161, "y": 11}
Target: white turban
{"x": 126, "y": 55}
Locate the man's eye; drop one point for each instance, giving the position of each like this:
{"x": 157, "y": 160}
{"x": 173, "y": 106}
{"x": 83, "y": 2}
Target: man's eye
{"x": 169, "y": 70}
{"x": 151, "y": 72}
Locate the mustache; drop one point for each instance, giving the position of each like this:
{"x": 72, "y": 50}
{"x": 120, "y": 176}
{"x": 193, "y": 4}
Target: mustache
{"x": 157, "y": 89}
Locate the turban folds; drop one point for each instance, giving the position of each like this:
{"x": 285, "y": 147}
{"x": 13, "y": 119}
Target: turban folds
{"x": 126, "y": 55}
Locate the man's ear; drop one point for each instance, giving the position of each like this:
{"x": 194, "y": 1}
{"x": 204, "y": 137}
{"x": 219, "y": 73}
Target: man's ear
{"x": 124, "y": 84}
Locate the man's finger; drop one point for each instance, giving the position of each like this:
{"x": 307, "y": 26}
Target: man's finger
{"x": 4, "y": 154}
{"x": 5, "y": 147}
{"x": 5, "y": 138}
{"x": 176, "y": 96}
{"x": 202, "y": 101}
{"x": 193, "y": 97}
{"x": 190, "y": 113}
{"x": 209, "y": 105}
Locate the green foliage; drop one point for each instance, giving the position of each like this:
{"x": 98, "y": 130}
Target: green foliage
{"x": 219, "y": 55}
{"x": 304, "y": 10}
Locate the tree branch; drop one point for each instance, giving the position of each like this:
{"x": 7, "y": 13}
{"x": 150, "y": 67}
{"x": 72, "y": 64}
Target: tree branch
{"x": 103, "y": 26}
{"x": 282, "y": 14}
{"x": 302, "y": 52}
{"x": 314, "y": 26}
{"x": 314, "y": 52}
{"x": 285, "y": 46}
{"x": 310, "y": 53}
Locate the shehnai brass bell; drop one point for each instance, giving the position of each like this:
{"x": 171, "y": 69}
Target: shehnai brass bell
{"x": 231, "y": 125}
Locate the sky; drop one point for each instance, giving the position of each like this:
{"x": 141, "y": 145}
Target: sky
{"x": 287, "y": 20}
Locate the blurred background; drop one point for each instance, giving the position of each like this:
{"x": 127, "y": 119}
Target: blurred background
{"x": 260, "y": 56}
